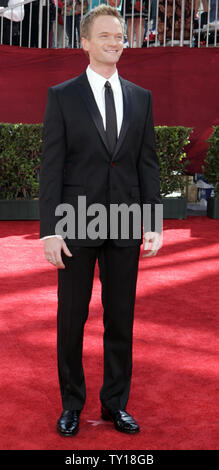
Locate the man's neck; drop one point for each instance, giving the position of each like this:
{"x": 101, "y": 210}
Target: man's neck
{"x": 105, "y": 71}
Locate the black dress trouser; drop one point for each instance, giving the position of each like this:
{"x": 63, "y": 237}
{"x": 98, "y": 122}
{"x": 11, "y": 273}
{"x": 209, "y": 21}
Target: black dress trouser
{"x": 118, "y": 267}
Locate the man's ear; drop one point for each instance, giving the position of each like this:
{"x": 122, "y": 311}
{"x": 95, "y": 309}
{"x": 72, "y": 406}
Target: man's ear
{"x": 84, "y": 44}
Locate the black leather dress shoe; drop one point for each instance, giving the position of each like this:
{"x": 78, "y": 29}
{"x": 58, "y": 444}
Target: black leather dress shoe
{"x": 123, "y": 421}
{"x": 68, "y": 423}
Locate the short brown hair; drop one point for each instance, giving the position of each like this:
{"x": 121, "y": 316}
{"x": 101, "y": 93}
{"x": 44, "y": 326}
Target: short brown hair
{"x": 101, "y": 10}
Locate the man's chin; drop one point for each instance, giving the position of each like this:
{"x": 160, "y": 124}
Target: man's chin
{"x": 112, "y": 59}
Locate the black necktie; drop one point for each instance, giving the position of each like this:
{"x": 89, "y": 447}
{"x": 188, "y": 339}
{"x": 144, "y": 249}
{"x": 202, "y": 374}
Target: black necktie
{"x": 111, "y": 123}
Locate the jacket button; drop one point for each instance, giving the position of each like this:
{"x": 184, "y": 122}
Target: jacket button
{"x": 112, "y": 164}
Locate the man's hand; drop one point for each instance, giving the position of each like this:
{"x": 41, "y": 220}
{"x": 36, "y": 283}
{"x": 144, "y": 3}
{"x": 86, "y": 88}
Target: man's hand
{"x": 52, "y": 249}
{"x": 156, "y": 242}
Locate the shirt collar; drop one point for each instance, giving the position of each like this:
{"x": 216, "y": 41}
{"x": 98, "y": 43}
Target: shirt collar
{"x": 98, "y": 81}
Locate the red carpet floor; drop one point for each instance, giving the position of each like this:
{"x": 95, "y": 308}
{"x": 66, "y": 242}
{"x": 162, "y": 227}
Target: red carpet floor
{"x": 175, "y": 386}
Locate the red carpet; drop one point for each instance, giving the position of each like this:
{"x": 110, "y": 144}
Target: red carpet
{"x": 175, "y": 386}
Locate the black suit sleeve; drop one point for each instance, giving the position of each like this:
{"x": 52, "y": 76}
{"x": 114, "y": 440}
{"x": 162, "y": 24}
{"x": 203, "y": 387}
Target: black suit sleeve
{"x": 52, "y": 164}
{"x": 148, "y": 167}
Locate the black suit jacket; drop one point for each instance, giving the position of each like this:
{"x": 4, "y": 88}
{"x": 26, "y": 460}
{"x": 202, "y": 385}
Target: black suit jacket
{"x": 76, "y": 159}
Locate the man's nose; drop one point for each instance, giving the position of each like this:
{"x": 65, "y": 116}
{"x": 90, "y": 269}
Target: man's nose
{"x": 113, "y": 41}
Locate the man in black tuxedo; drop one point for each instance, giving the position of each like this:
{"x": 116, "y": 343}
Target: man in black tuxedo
{"x": 99, "y": 142}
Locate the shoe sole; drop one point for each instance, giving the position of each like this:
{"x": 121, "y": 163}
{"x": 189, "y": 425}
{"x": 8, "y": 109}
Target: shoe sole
{"x": 130, "y": 431}
{"x": 67, "y": 434}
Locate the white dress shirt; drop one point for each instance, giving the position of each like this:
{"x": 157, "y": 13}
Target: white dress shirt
{"x": 97, "y": 83}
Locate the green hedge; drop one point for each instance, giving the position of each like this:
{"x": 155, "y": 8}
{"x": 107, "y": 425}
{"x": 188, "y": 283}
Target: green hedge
{"x": 20, "y": 151}
{"x": 170, "y": 144}
{"x": 21, "y": 148}
{"x": 211, "y": 163}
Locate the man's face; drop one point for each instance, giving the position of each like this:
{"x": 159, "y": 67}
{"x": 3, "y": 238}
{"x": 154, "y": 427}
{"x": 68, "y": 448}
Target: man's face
{"x": 105, "y": 43}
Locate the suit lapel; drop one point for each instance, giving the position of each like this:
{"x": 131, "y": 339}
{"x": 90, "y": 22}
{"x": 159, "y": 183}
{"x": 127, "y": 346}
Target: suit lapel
{"x": 127, "y": 113}
{"x": 88, "y": 97}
